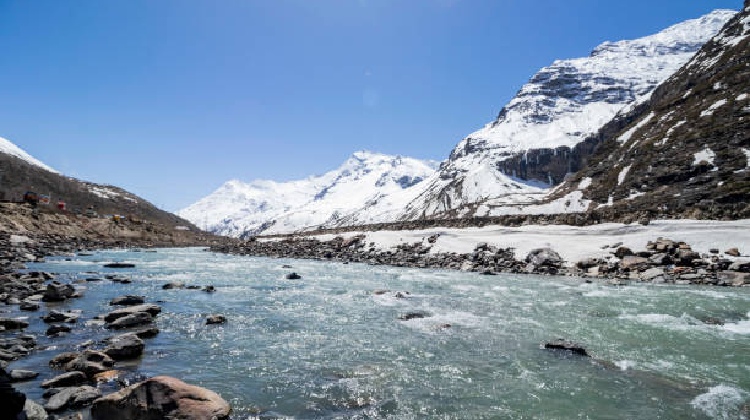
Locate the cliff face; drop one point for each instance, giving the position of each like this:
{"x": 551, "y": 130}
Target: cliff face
{"x": 687, "y": 150}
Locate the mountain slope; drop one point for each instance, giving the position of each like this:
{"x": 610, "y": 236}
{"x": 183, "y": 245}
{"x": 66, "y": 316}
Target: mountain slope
{"x": 546, "y": 131}
{"x": 20, "y": 172}
{"x": 238, "y": 208}
{"x": 685, "y": 152}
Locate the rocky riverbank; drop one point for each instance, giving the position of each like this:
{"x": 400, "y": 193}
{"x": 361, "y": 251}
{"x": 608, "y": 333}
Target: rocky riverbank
{"x": 662, "y": 261}
{"x": 94, "y": 369}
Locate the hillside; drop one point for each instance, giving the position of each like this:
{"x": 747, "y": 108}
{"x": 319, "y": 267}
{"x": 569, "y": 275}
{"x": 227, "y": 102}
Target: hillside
{"x": 20, "y": 172}
{"x": 686, "y": 151}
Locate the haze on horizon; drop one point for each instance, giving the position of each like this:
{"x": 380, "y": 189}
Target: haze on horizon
{"x": 170, "y": 99}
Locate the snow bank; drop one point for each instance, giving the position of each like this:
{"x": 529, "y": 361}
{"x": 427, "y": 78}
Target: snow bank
{"x": 571, "y": 242}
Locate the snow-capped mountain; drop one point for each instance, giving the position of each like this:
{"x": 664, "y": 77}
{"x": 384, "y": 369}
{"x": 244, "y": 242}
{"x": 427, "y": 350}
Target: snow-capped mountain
{"x": 11, "y": 149}
{"x": 685, "y": 152}
{"x": 540, "y": 135}
{"x": 281, "y": 207}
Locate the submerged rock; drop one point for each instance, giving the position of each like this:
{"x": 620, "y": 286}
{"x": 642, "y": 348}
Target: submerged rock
{"x": 293, "y": 276}
{"x": 159, "y": 398}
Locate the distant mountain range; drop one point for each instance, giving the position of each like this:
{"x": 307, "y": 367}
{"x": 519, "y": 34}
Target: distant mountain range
{"x": 532, "y": 159}
{"x": 238, "y": 208}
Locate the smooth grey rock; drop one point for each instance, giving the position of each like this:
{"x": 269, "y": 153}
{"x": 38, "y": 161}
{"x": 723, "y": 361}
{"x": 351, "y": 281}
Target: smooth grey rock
{"x": 72, "y": 398}
{"x": 130, "y": 321}
{"x": 124, "y": 347}
{"x": 17, "y": 375}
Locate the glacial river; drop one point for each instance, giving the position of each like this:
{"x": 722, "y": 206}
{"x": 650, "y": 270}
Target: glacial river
{"x": 325, "y": 346}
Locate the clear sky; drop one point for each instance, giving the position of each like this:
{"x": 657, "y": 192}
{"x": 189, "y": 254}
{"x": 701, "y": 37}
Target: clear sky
{"x": 171, "y": 98}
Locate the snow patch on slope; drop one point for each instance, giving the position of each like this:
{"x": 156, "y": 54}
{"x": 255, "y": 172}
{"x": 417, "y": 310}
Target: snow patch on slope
{"x": 11, "y": 149}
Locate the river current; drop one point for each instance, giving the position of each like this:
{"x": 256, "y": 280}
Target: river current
{"x": 326, "y": 346}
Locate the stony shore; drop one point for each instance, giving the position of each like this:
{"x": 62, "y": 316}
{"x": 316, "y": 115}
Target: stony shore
{"x": 84, "y": 375}
{"x": 662, "y": 261}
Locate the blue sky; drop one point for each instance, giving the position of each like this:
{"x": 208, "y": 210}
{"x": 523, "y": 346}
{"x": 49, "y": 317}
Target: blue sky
{"x": 171, "y": 98}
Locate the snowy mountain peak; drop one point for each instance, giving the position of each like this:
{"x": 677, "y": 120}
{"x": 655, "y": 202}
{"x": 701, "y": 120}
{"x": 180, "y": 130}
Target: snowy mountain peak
{"x": 275, "y": 207}
{"x": 11, "y": 149}
{"x": 687, "y": 36}
{"x": 560, "y": 107}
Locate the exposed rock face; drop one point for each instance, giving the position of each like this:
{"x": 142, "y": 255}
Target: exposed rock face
{"x": 686, "y": 151}
{"x": 158, "y": 398}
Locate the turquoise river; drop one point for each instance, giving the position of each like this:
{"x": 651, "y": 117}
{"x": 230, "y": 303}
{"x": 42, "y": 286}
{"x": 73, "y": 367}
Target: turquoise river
{"x": 327, "y": 347}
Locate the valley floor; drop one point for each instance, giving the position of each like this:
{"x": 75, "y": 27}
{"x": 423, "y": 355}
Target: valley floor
{"x": 573, "y": 243}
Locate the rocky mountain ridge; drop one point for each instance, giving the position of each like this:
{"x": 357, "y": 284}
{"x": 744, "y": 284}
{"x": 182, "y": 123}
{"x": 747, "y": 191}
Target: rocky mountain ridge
{"x": 546, "y": 131}
{"x": 686, "y": 151}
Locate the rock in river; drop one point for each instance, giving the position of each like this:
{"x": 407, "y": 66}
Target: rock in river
{"x": 74, "y": 378}
{"x": 561, "y": 344}
{"x": 72, "y": 398}
{"x": 119, "y": 265}
{"x": 134, "y": 320}
{"x": 216, "y": 319}
{"x": 124, "y": 347}
{"x": 149, "y": 308}
{"x": 161, "y": 397}
{"x": 127, "y": 300}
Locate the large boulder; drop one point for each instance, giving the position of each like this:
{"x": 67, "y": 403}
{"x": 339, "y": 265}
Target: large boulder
{"x": 34, "y": 411}
{"x": 57, "y": 292}
{"x": 149, "y": 308}
{"x": 90, "y": 362}
{"x": 158, "y": 398}
{"x": 72, "y": 398}
{"x": 125, "y": 347}
{"x": 544, "y": 257}
{"x": 134, "y": 320}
